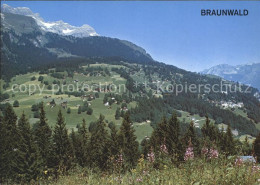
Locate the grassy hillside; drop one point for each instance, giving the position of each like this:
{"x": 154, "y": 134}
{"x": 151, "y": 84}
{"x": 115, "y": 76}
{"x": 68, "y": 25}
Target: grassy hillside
{"x": 98, "y": 73}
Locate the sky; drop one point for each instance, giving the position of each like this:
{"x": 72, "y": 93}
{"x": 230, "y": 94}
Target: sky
{"x": 172, "y": 32}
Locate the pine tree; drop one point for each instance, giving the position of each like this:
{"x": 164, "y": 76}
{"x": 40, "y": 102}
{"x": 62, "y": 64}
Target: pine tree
{"x": 9, "y": 144}
{"x": 62, "y": 145}
{"x": 173, "y": 137}
{"x": 128, "y": 143}
{"x": 246, "y": 148}
{"x": 146, "y": 146}
{"x": 206, "y": 128}
{"x": 99, "y": 151}
{"x": 257, "y": 147}
{"x": 117, "y": 115}
{"x": 29, "y": 163}
{"x": 230, "y": 144}
{"x": 42, "y": 135}
{"x": 2, "y": 147}
{"x": 210, "y": 132}
{"x": 79, "y": 110}
{"x": 16, "y": 103}
{"x": 76, "y": 145}
{"x": 83, "y": 142}
{"x": 113, "y": 140}
{"x": 191, "y": 136}
{"x": 159, "y": 134}
{"x": 222, "y": 140}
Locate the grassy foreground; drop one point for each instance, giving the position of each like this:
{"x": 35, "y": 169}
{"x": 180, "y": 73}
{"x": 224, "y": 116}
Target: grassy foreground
{"x": 198, "y": 171}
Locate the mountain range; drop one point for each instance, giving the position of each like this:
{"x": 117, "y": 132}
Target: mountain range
{"x": 24, "y": 39}
{"x": 58, "y": 27}
{"x": 247, "y": 74}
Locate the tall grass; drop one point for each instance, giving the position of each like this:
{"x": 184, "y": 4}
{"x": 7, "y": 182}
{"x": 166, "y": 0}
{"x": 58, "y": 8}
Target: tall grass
{"x": 196, "y": 171}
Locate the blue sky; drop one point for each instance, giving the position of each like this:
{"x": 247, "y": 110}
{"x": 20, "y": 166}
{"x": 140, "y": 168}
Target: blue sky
{"x": 172, "y": 32}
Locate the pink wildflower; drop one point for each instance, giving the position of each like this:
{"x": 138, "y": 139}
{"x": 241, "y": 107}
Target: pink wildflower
{"x": 151, "y": 156}
{"x": 139, "y": 180}
{"x": 238, "y": 161}
{"x": 120, "y": 159}
{"x": 255, "y": 168}
{"x": 189, "y": 155}
{"x": 213, "y": 153}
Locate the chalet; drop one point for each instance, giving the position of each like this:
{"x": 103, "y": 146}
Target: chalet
{"x": 7, "y": 100}
{"x": 235, "y": 132}
{"x": 125, "y": 109}
{"x": 196, "y": 125}
{"x": 64, "y": 104}
{"x": 52, "y": 103}
{"x": 84, "y": 97}
{"x": 245, "y": 159}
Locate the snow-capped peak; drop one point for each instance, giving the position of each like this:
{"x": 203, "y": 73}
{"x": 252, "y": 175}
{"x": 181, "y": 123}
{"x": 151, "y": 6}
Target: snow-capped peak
{"x": 58, "y": 27}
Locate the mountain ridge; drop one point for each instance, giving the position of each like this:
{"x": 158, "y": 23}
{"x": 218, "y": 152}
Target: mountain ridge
{"x": 58, "y": 27}
{"x": 23, "y": 41}
{"x": 246, "y": 74}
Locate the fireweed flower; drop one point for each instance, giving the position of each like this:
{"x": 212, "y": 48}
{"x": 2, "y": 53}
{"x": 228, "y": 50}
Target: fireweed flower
{"x": 238, "y": 162}
{"x": 151, "y": 156}
{"x": 189, "y": 155}
{"x": 163, "y": 147}
{"x": 120, "y": 159}
{"x": 255, "y": 169}
{"x": 213, "y": 153}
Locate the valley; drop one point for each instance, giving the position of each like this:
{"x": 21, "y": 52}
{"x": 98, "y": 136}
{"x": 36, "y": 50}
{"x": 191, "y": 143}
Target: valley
{"x": 90, "y": 82}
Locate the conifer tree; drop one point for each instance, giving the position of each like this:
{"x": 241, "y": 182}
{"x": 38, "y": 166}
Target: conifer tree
{"x": 209, "y": 131}
{"x": 191, "y": 136}
{"x": 246, "y": 148}
{"x": 222, "y": 140}
{"x": 83, "y": 142}
{"x": 62, "y": 145}
{"x": 128, "y": 143}
{"x": 257, "y": 147}
{"x": 146, "y": 146}
{"x": 43, "y": 138}
{"x": 172, "y": 140}
{"x": 230, "y": 144}
{"x": 117, "y": 115}
{"x": 29, "y": 163}
{"x": 113, "y": 140}
{"x": 76, "y": 145}
{"x": 206, "y": 128}
{"x": 9, "y": 144}
{"x": 159, "y": 134}
{"x": 2, "y": 147}
{"x": 99, "y": 151}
